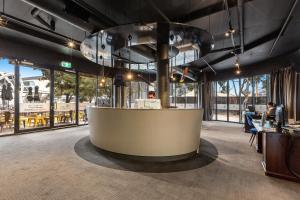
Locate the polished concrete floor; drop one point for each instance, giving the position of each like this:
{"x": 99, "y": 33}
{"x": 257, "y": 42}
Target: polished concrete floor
{"x": 45, "y": 166}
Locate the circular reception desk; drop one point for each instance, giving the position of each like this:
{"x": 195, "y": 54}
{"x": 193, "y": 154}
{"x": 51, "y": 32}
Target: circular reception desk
{"x": 167, "y": 133}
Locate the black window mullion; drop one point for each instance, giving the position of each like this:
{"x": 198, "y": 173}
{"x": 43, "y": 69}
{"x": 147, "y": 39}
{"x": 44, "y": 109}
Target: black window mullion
{"x": 227, "y": 100}
{"x": 240, "y": 101}
{"x": 77, "y": 98}
{"x": 16, "y": 94}
{"x": 52, "y": 98}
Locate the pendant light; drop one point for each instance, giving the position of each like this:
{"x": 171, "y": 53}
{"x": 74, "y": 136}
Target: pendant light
{"x": 102, "y": 47}
{"x": 237, "y": 65}
{"x": 129, "y": 75}
{"x": 173, "y": 78}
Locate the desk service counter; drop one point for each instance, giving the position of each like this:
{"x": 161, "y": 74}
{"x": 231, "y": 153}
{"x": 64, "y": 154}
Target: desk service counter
{"x": 148, "y": 133}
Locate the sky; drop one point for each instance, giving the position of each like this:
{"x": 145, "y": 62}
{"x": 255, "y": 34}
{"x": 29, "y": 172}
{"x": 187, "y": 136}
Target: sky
{"x": 24, "y": 71}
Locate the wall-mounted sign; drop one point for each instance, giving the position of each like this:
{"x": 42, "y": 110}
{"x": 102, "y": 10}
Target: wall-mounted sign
{"x": 66, "y": 64}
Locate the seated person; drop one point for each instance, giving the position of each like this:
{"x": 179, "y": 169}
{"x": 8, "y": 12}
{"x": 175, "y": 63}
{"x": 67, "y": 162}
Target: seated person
{"x": 270, "y": 113}
{"x": 271, "y": 109}
{"x": 151, "y": 95}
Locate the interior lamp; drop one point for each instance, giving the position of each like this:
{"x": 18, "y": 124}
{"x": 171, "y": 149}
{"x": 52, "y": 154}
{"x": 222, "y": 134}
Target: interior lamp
{"x": 71, "y": 44}
{"x": 129, "y": 76}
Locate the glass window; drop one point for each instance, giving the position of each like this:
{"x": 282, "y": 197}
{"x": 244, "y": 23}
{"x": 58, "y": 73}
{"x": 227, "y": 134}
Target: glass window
{"x": 179, "y": 59}
{"x": 172, "y": 94}
{"x": 222, "y": 100}
{"x": 7, "y": 88}
{"x": 246, "y": 92}
{"x": 189, "y": 56}
{"x": 64, "y": 98}
{"x": 34, "y": 98}
{"x": 181, "y": 91}
{"x": 105, "y": 93}
{"x": 214, "y": 98}
{"x": 152, "y": 66}
{"x": 143, "y": 66}
{"x": 143, "y": 90}
{"x": 242, "y": 93}
{"x": 135, "y": 92}
{"x": 87, "y": 95}
{"x": 191, "y": 96}
{"x": 260, "y": 92}
{"x": 234, "y": 100}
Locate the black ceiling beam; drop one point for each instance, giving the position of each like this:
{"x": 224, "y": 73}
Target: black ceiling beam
{"x": 206, "y": 11}
{"x": 258, "y": 42}
{"x": 240, "y": 5}
{"x": 38, "y": 32}
{"x": 224, "y": 49}
{"x": 284, "y": 26}
{"x": 101, "y": 17}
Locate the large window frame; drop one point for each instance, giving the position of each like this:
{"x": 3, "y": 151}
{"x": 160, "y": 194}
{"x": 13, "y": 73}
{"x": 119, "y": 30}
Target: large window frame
{"x": 252, "y": 97}
{"x": 16, "y": 118}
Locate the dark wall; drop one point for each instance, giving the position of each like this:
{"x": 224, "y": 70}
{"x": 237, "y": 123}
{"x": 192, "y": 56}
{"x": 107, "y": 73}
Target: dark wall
{"x": 16, "y": 48}
{"x": 42, "y": 57}
{"x": 264, "y": 67}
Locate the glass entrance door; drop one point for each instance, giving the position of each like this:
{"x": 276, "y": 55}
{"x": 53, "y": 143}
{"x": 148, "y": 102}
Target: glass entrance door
{"x": 34, "y": 98}
{"x": 7, "y": 105}
{"x": 87, "y": 95}
{"x": 64, "y": 98}
{"x": 234, "y": 100}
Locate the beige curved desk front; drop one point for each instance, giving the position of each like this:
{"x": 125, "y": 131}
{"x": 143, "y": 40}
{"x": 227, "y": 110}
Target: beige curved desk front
{"x": 166, "y": 132}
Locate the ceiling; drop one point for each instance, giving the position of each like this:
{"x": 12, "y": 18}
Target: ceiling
{"x": 262, "y": 21}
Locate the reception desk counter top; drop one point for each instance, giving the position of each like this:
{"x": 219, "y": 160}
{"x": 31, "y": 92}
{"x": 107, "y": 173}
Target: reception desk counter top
{"x": 150, "y": 133}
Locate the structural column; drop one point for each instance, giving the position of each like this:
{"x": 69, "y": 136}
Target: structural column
{"x": 119, "y": 90}
{"x": 163, "y": 64}
{"x": 16, "y": 96}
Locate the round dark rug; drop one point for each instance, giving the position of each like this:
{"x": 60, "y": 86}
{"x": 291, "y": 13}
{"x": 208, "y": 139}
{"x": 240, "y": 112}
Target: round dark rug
{"x": 86, "y": 150}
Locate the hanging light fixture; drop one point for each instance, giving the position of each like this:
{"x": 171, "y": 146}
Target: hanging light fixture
{"x": 237, "y": 65}
{"x": 103, "y": 47}
{"x": 129, "y": 75}
{"x": 231, "y": 31}
{"x": 3, "y": 20}
{"x": 103, "y": 75}
{"x": 172, "y": 77}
